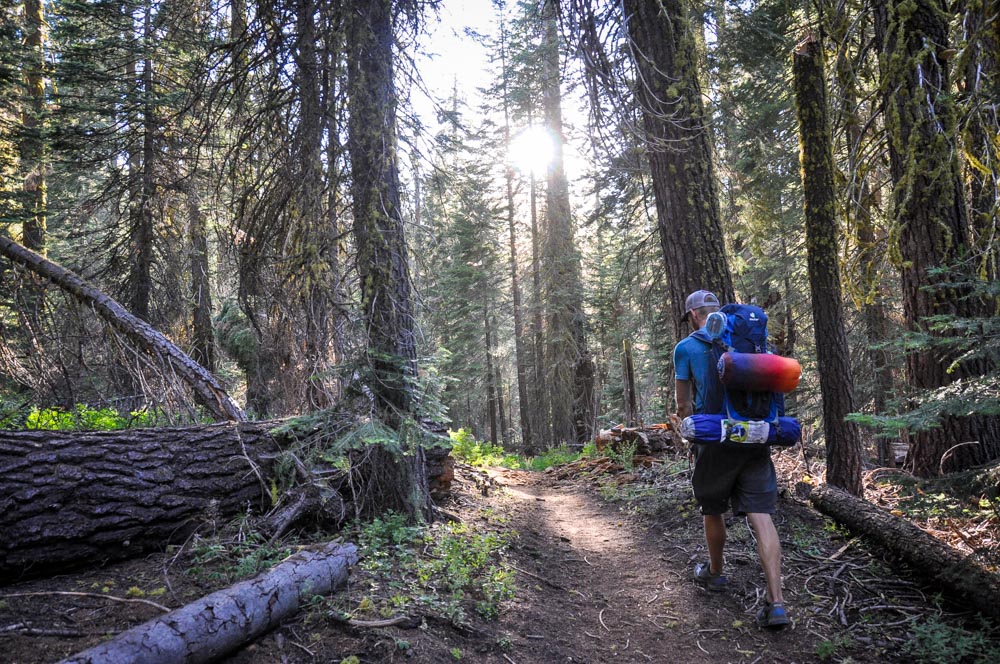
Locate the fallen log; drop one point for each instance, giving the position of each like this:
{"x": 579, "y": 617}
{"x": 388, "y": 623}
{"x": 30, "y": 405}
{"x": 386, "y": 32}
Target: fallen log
{"x": 221, "y": 622}
{"x": 205, "y": 386}
{"x": 646, "y": 439}
{"x": 70, "y": 499}
{"x": 951, "y": 570}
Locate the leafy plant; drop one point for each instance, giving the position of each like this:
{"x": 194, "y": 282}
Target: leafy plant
{"x": 556, "y": 456}
{"x": 449, "y": 565}
{"x": 241, "y": 557}
{"x": 935, "y": 642}
{"x": 82, "y": 418}
{"x": 623, "y": 453}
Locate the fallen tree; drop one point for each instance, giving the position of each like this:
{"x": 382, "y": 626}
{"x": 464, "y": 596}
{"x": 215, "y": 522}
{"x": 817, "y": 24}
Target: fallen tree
{"x": 219, "y": 623}
{"x": 69, "y": 499}
{"x": 950, "y": 569}
{"x": 204, "y": 385}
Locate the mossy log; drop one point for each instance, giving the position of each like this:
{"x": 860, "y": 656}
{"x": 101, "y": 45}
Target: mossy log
{"x": 69, "y": 499}
{"x": 939, "y": 563}
{"x": 217, "y": 624}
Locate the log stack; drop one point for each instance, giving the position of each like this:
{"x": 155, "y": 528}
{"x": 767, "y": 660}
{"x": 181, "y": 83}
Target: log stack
{"x": 650, "y": 439}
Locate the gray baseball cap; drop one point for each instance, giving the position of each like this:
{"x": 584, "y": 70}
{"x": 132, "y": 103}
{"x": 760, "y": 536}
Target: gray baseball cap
{"x": 697, "y": 300}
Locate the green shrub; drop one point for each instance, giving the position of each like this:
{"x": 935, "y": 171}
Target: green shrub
{"x": 553, "y": 457}
{"x": 84, "y": 418}
{"x": 465, "y": 447}
{"x": 935, "y": 642}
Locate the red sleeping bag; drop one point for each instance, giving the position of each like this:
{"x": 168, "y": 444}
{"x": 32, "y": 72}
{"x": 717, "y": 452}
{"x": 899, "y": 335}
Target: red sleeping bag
{"x": 759, "y": 372}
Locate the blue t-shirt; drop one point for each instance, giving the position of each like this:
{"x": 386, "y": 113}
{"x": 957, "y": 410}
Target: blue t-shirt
{"x": 695, "y": 360}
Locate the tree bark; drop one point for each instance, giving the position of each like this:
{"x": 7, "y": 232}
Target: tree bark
{"x": 71, "y": 498}
{"x": 383, "y": 266}
{"x": 932, "y": 229}
{"x": 205, "y": 386}
{"x": 982, "y": 89}
{"x": 382, "y": 261}
{"x": 631, "y": 415}
{"x": 202, "y": 334}
{"x": 217, "y": 624}
{"x": 679, "y": 149}
{"x": 32, "y": 150}
{"x": 520, "y": 358}
{"x": 862, "y": 206}
{"x": 565, "y": 344}
{"x": 843, "y": 442}
{"x": 932, "y": 559}
{"x": 139, "y": 280}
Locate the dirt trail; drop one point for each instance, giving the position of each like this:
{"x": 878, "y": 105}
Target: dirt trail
{"x": 599, "y": 586}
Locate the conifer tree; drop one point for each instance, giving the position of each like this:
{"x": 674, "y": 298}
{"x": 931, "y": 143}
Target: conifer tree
{"x": 931, "y": 233}
{"x": 836, "y": 380}
{"x": 569, "y": 365}
{"x": 679, "y": 147}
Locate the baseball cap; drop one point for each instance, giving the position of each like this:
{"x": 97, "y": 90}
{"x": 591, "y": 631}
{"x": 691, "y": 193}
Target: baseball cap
{"x": 697, "y": 300}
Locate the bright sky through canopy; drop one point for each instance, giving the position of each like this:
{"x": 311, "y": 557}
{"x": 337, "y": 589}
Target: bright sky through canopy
{"x": 531, "y": 150}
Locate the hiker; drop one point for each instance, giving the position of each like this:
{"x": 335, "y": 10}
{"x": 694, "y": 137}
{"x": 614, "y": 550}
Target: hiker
{"x": 724, "y": 476}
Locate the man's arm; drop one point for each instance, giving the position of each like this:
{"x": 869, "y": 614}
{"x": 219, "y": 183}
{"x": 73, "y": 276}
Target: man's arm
{"x": 684, "y": 393}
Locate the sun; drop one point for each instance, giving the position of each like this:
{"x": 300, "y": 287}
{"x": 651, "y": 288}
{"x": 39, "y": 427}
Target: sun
{"x": 532, "y": 150}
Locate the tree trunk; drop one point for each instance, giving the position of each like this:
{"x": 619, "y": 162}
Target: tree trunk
{"x": 202, "y": 335}
{"x": 139, "y": 281}
{"x": 931, "y": 221}
{"x": 205, "y": 630}
{"x": 565, "y": 342}
{"x": 628, "y": 382}
{"x": 205, "y": 386}
{"x": 492, "y": 399}
{"x": 862, "y": 206}
{"x": 32, "y": 150}
{"x": 843, "y": 443}
{"x": 520, "y": 359}
{"x": 679, "y": 148}
{"x": 383, "y": 265}
{"x": 542, "y": 424}
{"x": 71, "y": 498}
{"x": 982, "y": 167}
{"x": 932, "y": 559}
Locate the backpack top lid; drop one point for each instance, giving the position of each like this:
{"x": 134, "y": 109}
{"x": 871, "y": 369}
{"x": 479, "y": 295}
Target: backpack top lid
{"x": 746, "y": 328}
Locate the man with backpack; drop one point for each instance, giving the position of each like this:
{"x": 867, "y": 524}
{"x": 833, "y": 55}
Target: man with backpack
{"x": 742, "y": 477}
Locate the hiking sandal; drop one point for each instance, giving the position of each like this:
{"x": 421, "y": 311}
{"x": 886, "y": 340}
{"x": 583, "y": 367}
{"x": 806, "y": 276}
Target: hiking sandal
{"x": 715, "y": 582}
{"x": 773, "y": 616}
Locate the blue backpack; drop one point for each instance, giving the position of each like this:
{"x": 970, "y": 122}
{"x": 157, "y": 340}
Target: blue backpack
{"x": 747, "y": 415}
{"x": 746, "y": 332}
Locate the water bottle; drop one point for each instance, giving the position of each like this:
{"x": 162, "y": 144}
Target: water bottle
{"x": 715, "y": 324}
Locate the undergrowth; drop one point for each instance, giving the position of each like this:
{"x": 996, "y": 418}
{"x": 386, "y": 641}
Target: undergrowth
{"x": 465, "y": 447}
{"x": 79, "y": 418}
{"x": 445, "y": 569}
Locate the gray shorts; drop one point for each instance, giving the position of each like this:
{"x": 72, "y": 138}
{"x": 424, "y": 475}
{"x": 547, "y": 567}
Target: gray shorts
{"x": 742, "y": 476}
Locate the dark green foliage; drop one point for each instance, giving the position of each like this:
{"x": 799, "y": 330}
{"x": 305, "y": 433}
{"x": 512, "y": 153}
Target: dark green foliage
{"x": 965, "y": 340}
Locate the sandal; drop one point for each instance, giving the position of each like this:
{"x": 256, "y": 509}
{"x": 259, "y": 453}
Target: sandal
{"x": 773, "y": 616}
{"x": 715, "y": 582}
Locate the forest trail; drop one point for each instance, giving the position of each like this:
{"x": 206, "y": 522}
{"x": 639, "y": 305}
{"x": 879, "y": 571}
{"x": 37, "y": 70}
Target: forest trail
{"x": 600, "y": 585}
{"x": 602, "y": 569}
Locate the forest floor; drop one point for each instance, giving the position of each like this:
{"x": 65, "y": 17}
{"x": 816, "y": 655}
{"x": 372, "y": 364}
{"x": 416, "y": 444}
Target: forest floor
{"x": 602, "y": 565}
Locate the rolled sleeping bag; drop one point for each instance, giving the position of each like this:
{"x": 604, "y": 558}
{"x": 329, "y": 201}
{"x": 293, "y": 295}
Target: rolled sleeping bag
{"x": 759, "y": 372}
{"x": 722, "y": 429}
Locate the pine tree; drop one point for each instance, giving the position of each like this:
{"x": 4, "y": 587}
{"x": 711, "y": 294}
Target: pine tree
{"x": 679, "y": 148}
{"x": 836, "y": 380}
{"x": 931, "y": 232}
{"x": 568, "y": 363}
